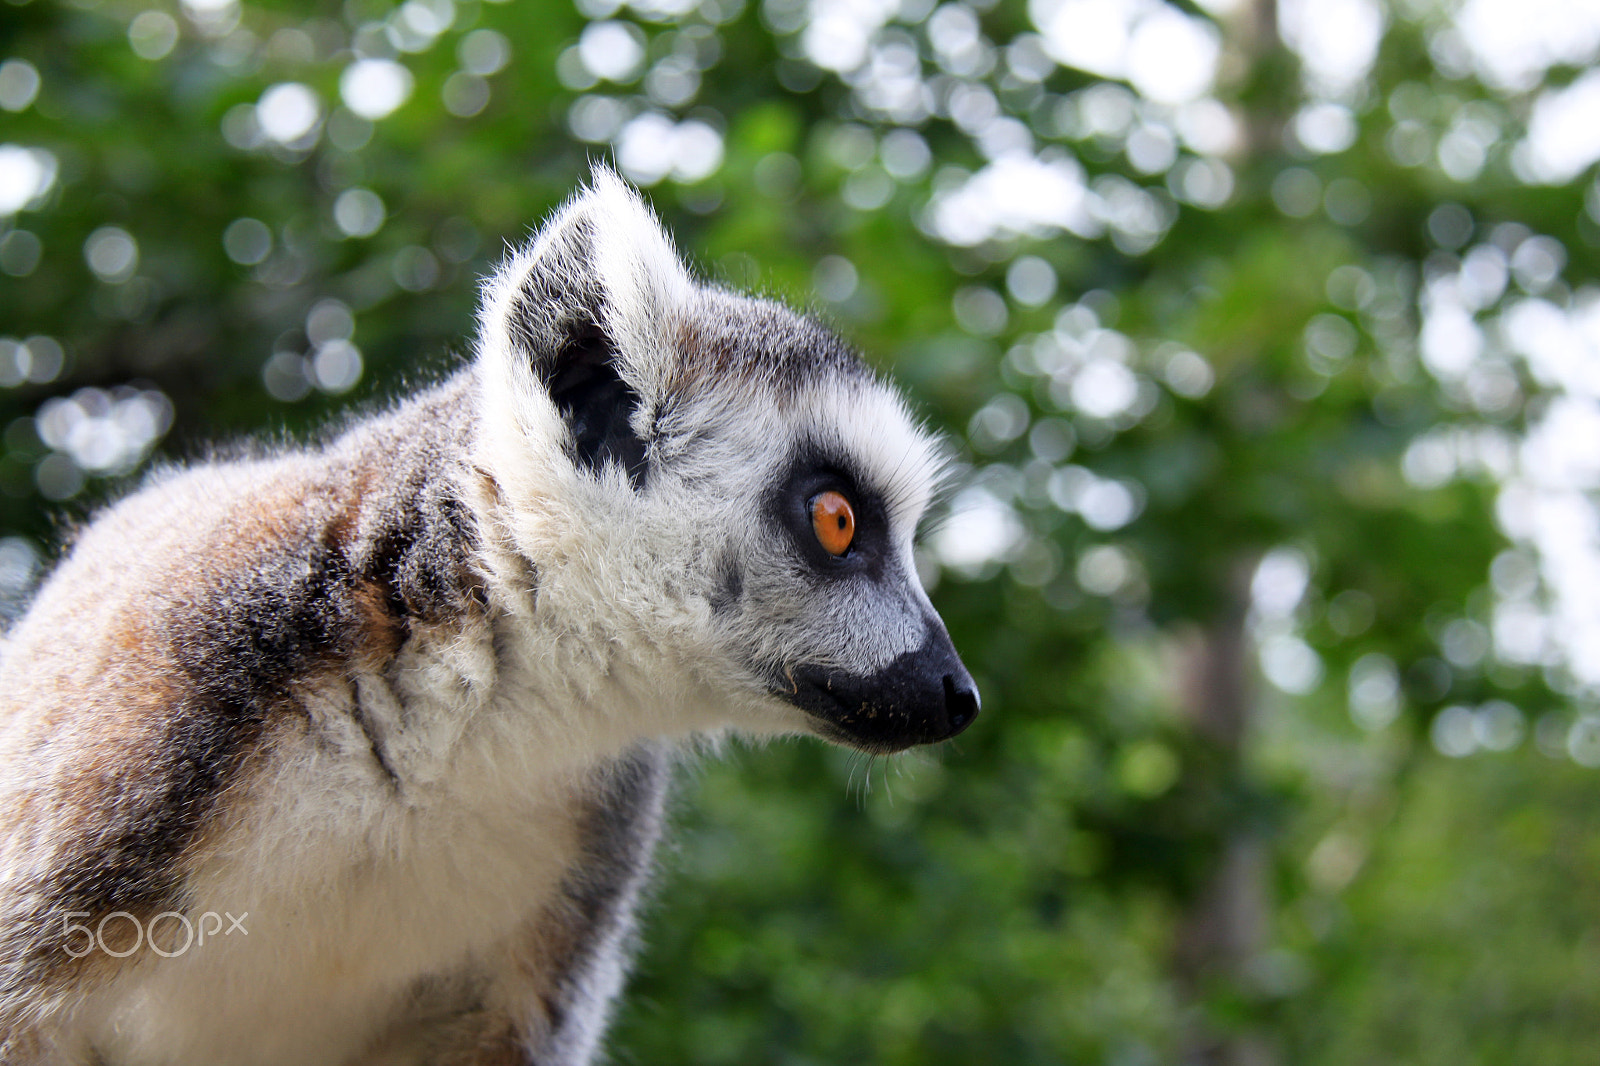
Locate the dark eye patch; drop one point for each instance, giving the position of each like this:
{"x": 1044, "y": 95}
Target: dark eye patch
{"x": 790, "y": 505}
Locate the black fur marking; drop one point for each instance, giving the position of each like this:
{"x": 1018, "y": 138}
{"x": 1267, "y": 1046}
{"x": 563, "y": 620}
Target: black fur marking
{"x": 420, "y": 560}
{"x": 619, "y": 828}
{"x": 618, "y": 834}
{"x": 729, "y": 587}
{"x": 260, "y": 629}
{"x": 765, "y": 341}
{"x": 597, "y": 405}
{"x": 555, "y": 1013}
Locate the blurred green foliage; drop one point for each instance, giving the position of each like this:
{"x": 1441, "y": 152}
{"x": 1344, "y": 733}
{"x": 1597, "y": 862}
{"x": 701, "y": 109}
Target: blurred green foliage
{"x": 1267, "y": 770}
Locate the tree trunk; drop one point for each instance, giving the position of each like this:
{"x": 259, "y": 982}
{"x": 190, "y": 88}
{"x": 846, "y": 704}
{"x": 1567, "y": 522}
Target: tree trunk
{"x": 1226, "y": 924}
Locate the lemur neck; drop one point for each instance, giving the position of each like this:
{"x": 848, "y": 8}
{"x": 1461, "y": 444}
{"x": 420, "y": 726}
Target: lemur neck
{"x": 497, "y": 663}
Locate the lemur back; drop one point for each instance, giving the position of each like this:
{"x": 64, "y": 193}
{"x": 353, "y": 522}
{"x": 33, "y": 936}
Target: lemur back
{"x": 356, "y": 754}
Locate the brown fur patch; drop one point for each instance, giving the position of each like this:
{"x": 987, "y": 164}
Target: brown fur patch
{"x": 379, "y": 632}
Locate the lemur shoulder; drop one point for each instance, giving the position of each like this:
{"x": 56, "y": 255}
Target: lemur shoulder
{"x": 408, "y": 699}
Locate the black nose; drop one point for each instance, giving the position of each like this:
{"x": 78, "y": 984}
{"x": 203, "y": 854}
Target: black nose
{"x": 921, "y": 696}
{"x": 960, "y": 703}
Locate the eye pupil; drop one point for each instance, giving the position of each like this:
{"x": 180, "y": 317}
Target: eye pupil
{"x": 834, "y": 521}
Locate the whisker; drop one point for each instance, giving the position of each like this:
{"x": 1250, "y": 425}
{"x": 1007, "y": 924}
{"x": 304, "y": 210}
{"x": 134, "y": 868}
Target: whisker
{"x": 859, "y": 794}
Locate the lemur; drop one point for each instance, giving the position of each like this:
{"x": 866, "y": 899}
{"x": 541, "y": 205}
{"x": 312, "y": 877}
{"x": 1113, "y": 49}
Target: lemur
{"x": 403, "y": 705}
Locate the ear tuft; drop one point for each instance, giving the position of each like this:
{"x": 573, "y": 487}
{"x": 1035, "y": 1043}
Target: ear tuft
{"x": 558, "y": 298}
{"x": 589, "y": 309}
{"x": 602, "y": 262}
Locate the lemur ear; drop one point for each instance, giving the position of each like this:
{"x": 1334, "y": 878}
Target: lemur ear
{"x": 586, "y": 314}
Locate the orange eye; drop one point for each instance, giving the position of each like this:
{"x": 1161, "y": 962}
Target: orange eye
{"x": 833, "y": 521}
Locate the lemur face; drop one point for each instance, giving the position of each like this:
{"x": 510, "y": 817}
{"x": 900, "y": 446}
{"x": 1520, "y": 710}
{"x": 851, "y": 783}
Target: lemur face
{"x": 868, "y": 658}
{"x": 816, "y": 594}
{"x": 758, "y": 486}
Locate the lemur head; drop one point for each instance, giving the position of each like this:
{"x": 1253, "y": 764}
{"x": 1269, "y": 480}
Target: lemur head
{"x": 712, "y": 484}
